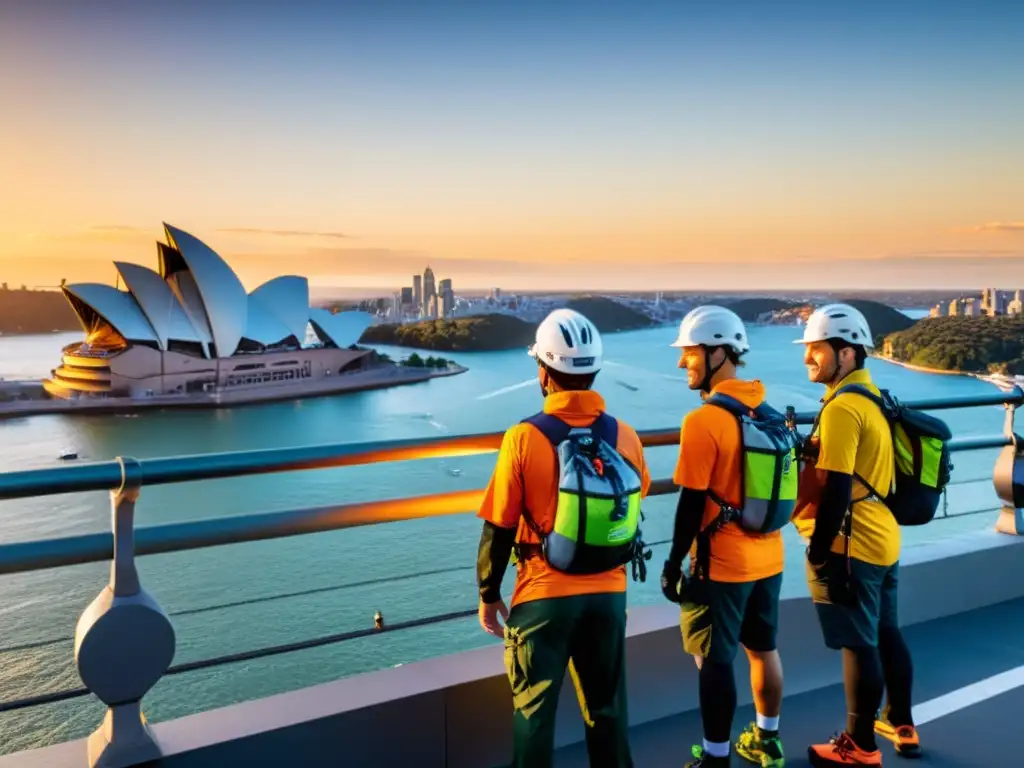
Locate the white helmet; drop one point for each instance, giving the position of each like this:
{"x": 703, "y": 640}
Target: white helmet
{"x": 713, "y": 327}
{"x": 837, "y": 321}
{"x": 568, "y": 342}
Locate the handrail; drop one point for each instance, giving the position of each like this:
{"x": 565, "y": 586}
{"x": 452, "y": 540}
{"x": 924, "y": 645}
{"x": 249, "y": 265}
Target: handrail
{"x": 106, "y": 475}
{"x": 19, "y": 557}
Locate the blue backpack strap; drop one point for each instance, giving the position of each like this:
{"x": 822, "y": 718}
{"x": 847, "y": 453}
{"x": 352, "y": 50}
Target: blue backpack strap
{"x": 736, "y": 408}
{"x": 552, "y": 427}
{"x": 860, "y": 389}
{"x": 604, "y": 427}
{"x": 731, "y": 404}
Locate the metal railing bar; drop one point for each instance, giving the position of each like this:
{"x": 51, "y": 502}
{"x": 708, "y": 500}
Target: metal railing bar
{"x": 257, "y": 653}
{"x": 35, "y": 644}
{"x": 177, "y": 537}
{"x": 969, "y": 480}
{"x": 380, "y": 580}
{"x": 107, "y": 475}
{"x": 43, "y": 698}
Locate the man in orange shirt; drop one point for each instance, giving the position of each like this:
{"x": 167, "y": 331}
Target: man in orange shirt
{"x": 731, "y": 596}
{"x": 569, "y": 601}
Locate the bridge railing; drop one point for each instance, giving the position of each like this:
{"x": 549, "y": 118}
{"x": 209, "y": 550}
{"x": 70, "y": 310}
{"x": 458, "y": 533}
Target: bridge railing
{"x": 124, "y": 642}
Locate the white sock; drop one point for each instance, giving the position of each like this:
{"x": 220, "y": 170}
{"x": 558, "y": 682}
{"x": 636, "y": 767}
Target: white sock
{"x": 716, "y": 750}
{"x": 767, "y": 723}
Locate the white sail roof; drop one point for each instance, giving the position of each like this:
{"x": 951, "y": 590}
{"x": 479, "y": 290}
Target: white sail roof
{"x": 224, "y": 298}
{"x": 287, "y": 297}
{"x": 263, "y": 326}
{"x": 118, "y": 308}
{"x": 159, "y": 304}
{"x": 344, "y": 328}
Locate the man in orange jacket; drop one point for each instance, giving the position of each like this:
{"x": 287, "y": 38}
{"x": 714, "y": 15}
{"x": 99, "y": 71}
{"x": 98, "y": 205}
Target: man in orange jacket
{"x": 569, "y": 601}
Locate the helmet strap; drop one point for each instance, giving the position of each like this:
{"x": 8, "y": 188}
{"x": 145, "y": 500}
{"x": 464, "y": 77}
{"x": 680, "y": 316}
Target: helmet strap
{"x": 709, "y": 370}
{"x": 837, "y": 345}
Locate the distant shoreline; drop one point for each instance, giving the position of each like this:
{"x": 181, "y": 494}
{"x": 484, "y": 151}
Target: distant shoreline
{"x": 927, "y": 369}
{"x": 1010, "y": 381}
{"x": 379, "y": 378}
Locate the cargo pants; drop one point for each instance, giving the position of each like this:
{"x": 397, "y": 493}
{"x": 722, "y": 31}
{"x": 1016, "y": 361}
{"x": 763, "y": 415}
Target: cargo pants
{"x": 542, "y": 637}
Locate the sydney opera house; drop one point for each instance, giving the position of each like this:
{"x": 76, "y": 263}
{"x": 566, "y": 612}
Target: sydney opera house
{"x": 191, "y": 327}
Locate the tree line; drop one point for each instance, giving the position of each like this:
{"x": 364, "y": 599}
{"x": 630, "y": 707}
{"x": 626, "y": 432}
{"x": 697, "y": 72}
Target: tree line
{"x": 960, "y": 343}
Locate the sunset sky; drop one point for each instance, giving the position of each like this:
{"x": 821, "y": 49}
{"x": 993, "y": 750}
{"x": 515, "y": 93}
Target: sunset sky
{"x": 603, "y": 145}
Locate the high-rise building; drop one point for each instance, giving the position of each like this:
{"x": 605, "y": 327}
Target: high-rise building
{"x": 998, "y": 302}
{"x": 971, "y": 308}
{"x": 407, "y": 297}
{"x": 954, "y": 307}
{"x": 432, "y": 306}
{"x": 429, "y": 287}
{"x": 417, "y": 292}
{"x": 446, "y": 297}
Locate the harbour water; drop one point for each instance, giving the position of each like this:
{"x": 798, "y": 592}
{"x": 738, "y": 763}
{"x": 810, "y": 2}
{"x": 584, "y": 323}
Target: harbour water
{"x": 342, "y": 578}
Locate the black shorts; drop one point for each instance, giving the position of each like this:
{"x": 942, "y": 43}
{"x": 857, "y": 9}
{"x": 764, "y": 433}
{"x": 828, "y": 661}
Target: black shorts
{"x": 872, "y": 604}
{"x": 731, "y": 614}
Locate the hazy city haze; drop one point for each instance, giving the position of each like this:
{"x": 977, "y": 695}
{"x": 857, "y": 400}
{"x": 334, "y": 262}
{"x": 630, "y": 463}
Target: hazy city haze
{"x": 596, "y": 145}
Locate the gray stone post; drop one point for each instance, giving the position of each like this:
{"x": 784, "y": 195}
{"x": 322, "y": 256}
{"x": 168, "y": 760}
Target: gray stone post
{"x": 124, "y": 642}
{"x": 1008, "y": 479}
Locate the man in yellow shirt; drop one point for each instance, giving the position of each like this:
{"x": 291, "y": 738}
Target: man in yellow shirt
{"x": 560, "y": 612}
{"x": 854, "y": 543}
{"x": 736, "y": 600}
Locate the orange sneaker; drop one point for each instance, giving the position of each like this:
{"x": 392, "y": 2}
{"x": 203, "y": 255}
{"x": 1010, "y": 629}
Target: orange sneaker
{"x": 903, "y": 737}
{"x": 841, "y": 750}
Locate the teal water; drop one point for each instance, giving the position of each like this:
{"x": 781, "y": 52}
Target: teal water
{"x": 498, "y": 390}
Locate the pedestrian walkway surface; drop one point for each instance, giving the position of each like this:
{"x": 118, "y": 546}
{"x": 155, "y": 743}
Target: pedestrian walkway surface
{"x": 968, "y": 693}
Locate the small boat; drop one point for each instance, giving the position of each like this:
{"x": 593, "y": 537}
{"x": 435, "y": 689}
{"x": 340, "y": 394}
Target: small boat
{"x": 68, "y": 454}
{"x": 454, "y": 472}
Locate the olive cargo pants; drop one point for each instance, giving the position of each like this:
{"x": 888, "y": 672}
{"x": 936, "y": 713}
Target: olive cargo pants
{"x": 541, "y": 638}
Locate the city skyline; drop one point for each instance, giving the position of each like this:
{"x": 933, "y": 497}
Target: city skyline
{"x": 685, "y": 148}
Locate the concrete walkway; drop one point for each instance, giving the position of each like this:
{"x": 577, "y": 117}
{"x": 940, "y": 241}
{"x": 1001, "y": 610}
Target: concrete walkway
{"x": 968, "y": 689}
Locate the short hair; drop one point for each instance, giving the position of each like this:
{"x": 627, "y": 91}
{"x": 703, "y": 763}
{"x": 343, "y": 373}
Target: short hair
{"x": 570, "y": 382}
{"x": 734, "y": 357}
{"x": 860, "y": 354}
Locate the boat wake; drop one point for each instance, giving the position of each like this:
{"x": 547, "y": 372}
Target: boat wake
{"x": 506, "y": 390}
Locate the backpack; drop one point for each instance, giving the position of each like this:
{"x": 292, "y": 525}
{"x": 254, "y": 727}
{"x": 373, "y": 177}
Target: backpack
{"x": 921, "y": 452}
{"x": 769, "y": 469}
{"x": 597, "y": 518}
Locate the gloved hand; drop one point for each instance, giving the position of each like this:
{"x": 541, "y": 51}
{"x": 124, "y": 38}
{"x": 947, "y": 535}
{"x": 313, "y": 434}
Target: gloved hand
{"x": 831, "y": 582}
{"x": 672, "y": 581}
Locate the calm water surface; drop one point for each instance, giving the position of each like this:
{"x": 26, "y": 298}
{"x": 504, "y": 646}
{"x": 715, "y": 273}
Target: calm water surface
{"x": 499, "y": 389}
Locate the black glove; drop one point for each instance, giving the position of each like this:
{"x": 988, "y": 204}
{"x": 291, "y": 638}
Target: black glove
{"x": 672, "y": 581}
{"x": 833, "y": 581}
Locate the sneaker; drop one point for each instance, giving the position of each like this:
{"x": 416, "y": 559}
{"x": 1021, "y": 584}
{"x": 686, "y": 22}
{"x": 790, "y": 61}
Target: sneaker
{"x": 702, "y": 759}
{"x": 903, "y": 737}
{"x": 841, "y": 750}
{"x": 761, "y": 748}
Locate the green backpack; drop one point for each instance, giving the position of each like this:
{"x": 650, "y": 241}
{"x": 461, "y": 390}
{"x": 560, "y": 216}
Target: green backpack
{"x": 770, "y": 468}
{"x": 921, "y": 451}
{"x": 597, "y": 520}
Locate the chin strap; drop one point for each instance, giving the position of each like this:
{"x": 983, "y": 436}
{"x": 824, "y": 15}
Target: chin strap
{"x": 709, "y": 372}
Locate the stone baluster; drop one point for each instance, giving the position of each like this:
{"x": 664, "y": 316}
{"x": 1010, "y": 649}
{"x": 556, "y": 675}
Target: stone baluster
{"x": 124, "y": 642}
{"x": 1008, "y": 479}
